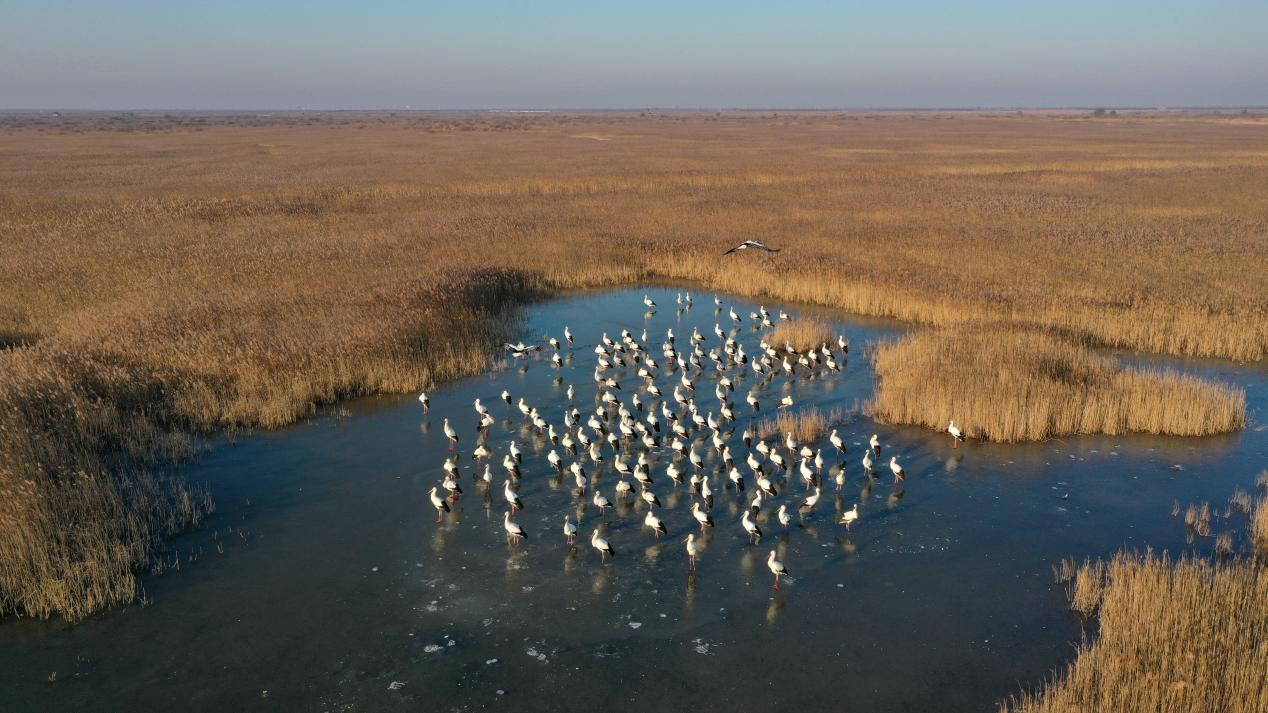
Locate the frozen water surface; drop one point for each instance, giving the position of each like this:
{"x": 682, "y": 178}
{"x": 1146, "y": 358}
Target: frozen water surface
{"x": 324, "y": 584}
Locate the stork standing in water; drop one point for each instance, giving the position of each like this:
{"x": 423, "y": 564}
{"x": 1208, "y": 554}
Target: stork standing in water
{"x": 867, "y": 462}
{"x": 849, "y": 516}
{"x": 896, "y": 469}
{"x": 956, "y": 434}
{"x": 650, "y": 498}
{"x": 451, "y": 486}
{"x": 601, "y": 545}
{"x": 655, "y": 523}
{"x": 811, "y": 500}
{"x": 438, "y": 503}
{"x": 451, "y": 434}
{"x": 754, "y": 532}
{"x": 875, "y": 443}
{"x": 602, "y": 503}
{"x": 777, "y": 568}
{"x": 570, "y": 531}
{"x": 837, "y": 442}
{"x": 513, "y": 531}
{"x": 701, "y": 517}
{"x": 512, "y": 497}
{"x": 425, "y": 401}
{"x": 693, "y": 551}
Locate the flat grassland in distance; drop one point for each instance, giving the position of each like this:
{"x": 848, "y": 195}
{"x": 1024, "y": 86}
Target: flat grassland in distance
{"x": 167, "y": 275}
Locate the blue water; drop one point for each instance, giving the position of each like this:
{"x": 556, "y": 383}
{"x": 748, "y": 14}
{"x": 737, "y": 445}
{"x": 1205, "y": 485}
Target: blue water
{"x": 323, "y": 583}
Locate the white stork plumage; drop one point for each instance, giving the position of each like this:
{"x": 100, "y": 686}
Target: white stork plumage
{"x": 601, "y": 545}
{"x": 754, "y": 532}
{"x": 777, "y": 568}
{"x": 896, "y": 469}
{"x": 601, "y": 502}
{"x": 512, "y": 497}
{"x": 748, "y": 245}
{"x": 438, "y": 503}
{"x": 849, "y": 516}
{"x": 513, "y": 530}
{"x": 655, "y": 523}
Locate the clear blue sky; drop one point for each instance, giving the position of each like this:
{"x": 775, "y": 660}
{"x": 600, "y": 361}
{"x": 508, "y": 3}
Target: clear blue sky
{"x": 650, "y": 53}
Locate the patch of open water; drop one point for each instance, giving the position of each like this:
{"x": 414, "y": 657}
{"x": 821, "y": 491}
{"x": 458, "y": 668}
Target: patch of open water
{"x": 322, "y": 583}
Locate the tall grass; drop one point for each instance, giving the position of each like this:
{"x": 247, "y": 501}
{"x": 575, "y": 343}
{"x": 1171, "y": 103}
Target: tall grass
{"x": 1011, "y": 383}
{"x": 82, "y": 428}
{"x": 807, "y": 425}
{"x": 1259, "y": 527}
{"x": 1182, "y": 635}
{"x": 803, "y": 334}
{"x": 79, "y": 507}
{"x": 243, "y": 270}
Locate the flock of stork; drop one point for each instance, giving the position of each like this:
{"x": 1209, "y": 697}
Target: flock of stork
{"x": 630, "y": 436}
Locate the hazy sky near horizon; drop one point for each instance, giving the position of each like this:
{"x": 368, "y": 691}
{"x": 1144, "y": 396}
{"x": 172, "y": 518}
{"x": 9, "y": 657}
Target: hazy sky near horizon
{"x": 239, "y": 54}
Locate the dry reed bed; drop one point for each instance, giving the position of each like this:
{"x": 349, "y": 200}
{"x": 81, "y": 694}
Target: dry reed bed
{"x": 79, "y": 508}
{"x": 804, "y": 334}
{"x": 1010, "y": 383}
{"x": 243, "y": 271}
{"x": 1259, "y": 527}
{"x": 1183, "y": 635}
{"x": 807, "y": 425}
{"x": 82, "y": 426}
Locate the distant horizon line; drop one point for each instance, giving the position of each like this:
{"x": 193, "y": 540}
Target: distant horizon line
{"x": 619, "y": 110}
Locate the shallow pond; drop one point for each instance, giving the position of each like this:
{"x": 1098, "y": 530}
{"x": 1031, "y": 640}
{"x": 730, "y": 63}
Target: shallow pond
{"x": 323, "y": 582}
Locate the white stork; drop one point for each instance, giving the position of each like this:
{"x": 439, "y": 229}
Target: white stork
{"x": 849, "y": 516}
{"x": 754, "y": 532}
{"x": 896, "y": 469}
{"x": 655, "y": 523}
{"x": 513, "y": 531}
{"x": 748, "y": 245}
{"x": 777, "y": 568}
{"x": 512, "y": 497}
{"x": 601, "y": 545}
{"x": 701, "y": 516}
{"x": 438, "y": 503}
{"x": 837, "y": 442}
